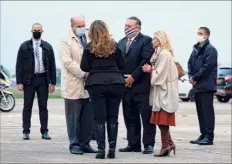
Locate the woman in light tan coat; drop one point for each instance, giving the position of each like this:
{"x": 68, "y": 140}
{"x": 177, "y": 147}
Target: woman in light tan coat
{"x": 164, "y": 91}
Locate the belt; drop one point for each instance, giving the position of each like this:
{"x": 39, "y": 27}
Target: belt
{"x": 39, "y": 74}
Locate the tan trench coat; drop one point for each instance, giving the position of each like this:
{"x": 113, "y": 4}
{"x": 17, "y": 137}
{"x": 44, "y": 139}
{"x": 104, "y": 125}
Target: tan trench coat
{"x": 164, "y": 83}
{"x": 72, "y": 77}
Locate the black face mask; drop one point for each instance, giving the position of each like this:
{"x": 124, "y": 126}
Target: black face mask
{"x": 36, "y": 34}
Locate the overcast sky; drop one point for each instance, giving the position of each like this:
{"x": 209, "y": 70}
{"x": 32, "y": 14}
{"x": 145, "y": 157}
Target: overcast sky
{"x": 180, "y": 20}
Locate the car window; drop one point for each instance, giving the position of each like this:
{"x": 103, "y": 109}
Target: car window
{"x": 225, "y": 71}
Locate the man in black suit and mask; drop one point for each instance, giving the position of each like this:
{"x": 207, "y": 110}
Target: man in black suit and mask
{"x": 137, "y": 50}
{"x": 36, "y": 72}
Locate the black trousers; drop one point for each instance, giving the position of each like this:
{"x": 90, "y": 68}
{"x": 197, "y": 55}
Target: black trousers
{"x": 39, "y": 86}
{"x": 205, "y": 112}
{"x": 79, "y": 122}
{"x": 105, "y": 100}
{"x": 135, "y": 105}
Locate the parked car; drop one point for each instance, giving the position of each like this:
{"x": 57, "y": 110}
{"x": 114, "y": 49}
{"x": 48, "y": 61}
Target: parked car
{"x": 224, "y": 84}
{"x": 228, "y": 87}
{"x": 185, "y": 89}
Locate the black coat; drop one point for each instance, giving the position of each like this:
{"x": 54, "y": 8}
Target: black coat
{"x": 140, "y": 53}
{"x": 25, "y": 64}
{"x": 103, "y": 70}
{"x": 202, "y": 67}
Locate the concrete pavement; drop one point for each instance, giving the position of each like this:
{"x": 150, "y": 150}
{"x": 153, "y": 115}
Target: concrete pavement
{"x": 36, "y": 150}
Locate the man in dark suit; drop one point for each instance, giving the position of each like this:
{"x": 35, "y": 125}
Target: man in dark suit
{"x": 202, "y": 71}
{"x": 137, "y": 49}
{"x": 36, "y": 72}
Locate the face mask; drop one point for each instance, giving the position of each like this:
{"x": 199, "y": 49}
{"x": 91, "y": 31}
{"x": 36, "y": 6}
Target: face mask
{"x": 36, "y": 34}
{"x": 80, "y": 32}
{"x": 130, "y": 31}
{"x": 200, "y": 38}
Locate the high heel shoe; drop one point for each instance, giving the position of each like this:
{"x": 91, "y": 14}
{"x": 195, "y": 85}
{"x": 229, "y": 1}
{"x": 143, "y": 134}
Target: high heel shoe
{"x": 165, "y": 148}
{"x": 173, "y": 147}
{"x": 164, "y": 152}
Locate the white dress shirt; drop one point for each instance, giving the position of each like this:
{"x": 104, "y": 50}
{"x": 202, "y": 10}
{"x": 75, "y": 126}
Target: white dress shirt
{"x": 132, "y": 39}
{"x": 42, "y": 69}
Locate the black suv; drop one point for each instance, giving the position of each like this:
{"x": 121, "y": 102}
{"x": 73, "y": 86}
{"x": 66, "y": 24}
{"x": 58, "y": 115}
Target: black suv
{"x": 224, "y": 84}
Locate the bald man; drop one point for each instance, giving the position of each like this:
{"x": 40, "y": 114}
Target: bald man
{"x": 36, "y": 72}
{"x": 78, "y": 111}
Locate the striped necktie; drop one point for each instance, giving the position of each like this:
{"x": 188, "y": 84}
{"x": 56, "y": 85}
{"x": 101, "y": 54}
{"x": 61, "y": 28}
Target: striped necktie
{"x": 37, "y": 57}
{"x": 128, "y": 45}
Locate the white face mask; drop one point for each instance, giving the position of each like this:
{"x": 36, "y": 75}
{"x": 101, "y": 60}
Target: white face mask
{"x": 200, "y": 38}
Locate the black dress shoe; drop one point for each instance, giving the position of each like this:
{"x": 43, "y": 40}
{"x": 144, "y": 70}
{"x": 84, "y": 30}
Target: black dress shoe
{"x": 205, "y": 141}
{"x": 26, "y": 136}
{"x": 129, "y": 149}
{"x": 88, "y": 149}
{"x": 148, "y": 150}
{"x": 46, "y": 136}
{"x": 197, "y": 140}
{"x": 76, "y": 150}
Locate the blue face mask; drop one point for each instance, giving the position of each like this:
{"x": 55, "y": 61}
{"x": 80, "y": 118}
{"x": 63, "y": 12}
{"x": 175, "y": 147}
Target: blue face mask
{"x": 80, "y": 32}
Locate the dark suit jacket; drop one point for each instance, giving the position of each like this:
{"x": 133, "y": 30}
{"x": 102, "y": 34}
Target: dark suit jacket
{"x": 25, "y": 63}
{"x": 103, "y": 70}
{"x": 140, "y": 52}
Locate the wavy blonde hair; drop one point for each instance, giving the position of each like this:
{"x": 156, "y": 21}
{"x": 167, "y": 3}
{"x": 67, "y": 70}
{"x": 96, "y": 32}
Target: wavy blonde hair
{"x": 164, "y": 41}
{"x": 102, "y": 44}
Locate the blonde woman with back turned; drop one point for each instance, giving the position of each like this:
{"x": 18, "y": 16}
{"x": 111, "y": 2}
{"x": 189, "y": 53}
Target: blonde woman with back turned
{"x": 164, "y": 91}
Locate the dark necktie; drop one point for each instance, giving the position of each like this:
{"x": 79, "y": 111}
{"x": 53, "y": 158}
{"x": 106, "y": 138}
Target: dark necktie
{"x": 83, "y": 41}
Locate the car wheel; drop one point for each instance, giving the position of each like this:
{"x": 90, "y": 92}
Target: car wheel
{"x": 191, "y": 95}
{"x": 185, "y": 99}
{"x": 223, "y": 99}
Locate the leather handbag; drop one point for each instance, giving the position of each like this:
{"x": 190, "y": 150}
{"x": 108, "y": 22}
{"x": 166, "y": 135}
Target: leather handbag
{"x": 180, "y": 70}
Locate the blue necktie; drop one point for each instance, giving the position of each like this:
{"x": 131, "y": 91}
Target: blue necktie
{"x": 37, "y": 57}
{"x": 83, "y": 41}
